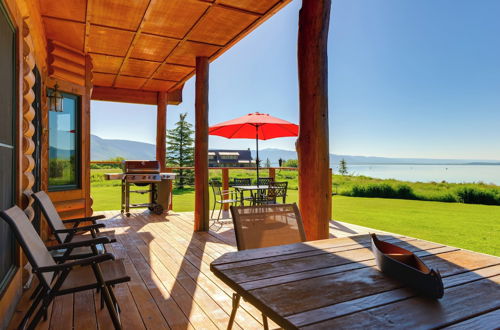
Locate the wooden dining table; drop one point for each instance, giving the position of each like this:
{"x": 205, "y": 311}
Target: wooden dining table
{"x": 335, "y": 283}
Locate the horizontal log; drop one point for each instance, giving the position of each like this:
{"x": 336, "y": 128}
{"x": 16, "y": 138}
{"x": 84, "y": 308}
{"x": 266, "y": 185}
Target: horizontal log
{"x": 67, "y": 75}
{"x": 67, "y": 64}
{"x": 175, "y": 97}
{"x": 59, "y": 44}
{"x": 55, "y": 49}
{"x": 70, "y": 205}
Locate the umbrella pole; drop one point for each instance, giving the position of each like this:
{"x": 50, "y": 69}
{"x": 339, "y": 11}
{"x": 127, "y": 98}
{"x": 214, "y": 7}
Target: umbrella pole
{"x": 257, "y": 150}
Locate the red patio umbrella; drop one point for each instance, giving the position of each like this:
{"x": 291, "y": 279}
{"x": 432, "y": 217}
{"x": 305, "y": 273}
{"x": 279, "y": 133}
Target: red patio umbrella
{"x": 258, "y": 126}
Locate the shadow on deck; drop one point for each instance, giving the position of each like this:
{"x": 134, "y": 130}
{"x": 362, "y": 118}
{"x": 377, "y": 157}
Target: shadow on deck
{"x": 172, "y": 286}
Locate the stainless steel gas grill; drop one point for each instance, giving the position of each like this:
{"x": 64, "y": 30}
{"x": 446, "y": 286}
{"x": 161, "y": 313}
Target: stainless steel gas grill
{"x": 144, "y": 173}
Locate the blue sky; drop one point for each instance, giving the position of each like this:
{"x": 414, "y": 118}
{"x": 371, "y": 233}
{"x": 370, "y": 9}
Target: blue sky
{"x": 406, "y": 79}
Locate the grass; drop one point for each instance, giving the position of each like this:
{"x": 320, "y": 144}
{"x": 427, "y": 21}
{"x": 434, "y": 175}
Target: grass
{"x": 472, "y": 227}
{"x": 468, "y": 226}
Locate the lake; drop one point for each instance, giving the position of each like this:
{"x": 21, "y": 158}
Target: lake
{"x": 427, "y": 173}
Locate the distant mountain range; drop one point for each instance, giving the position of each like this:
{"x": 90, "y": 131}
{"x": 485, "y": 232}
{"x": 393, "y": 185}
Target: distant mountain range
{"x": 275, "y": 154}
{"x": 104, "y": 149}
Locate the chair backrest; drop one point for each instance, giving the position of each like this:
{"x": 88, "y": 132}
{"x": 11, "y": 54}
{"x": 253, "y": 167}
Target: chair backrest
{"x": 264, "y": 181}
{"x": 216, "y": 188}
{"x": 277, "y": 189}
{"x": 50, "y": 213}
{"x": 32, "y": 245}
{"x": 267, "y": 225}
{"x": 242, "y": 182}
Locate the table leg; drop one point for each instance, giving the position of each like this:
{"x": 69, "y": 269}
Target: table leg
{"x": 236, "y": 304}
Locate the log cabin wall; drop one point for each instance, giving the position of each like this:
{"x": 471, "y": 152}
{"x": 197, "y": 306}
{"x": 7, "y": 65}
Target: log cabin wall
{"x": 28, "y": 54}
{"x": 32, "y": 49}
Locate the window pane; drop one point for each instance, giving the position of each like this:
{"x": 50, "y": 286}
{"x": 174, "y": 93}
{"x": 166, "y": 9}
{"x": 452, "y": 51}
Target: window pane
{"x": 63, "y": 142}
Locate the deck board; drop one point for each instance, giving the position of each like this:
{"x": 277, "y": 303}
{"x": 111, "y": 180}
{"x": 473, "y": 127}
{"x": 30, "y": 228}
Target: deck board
{"x": 172, "y": 286}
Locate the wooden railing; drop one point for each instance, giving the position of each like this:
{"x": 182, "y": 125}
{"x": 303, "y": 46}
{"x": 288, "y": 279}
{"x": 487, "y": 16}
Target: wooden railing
{"x": 225, "y": 173}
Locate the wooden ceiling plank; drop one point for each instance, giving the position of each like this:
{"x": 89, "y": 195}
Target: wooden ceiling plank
{"x": 109, "y": 41}
{"x": 134, "y": 40}
{"x": 257, "y": 7}
{"x": 121, "y": 14}
{"x": 73, "y": 10}
{"x": 221, "y": 25}
{"x": 184, "y": 39}
{"x": 88, "y": 18}
{"x": 174, "y": 18}
{"x": 67, "y": 32}
{"x": 273, "y": 10}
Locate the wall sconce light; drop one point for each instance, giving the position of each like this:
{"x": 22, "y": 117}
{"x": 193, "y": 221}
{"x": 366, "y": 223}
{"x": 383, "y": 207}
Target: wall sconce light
{"x": 55, "y": 99}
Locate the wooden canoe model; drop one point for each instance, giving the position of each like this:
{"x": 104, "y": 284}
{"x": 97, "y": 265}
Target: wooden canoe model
{"x": 406, "y": 267}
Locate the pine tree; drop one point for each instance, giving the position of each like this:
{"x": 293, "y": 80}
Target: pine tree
{"x": 343, "y": 167}
{"x": 268, "y": 163}
{"x": 180, "y": 149}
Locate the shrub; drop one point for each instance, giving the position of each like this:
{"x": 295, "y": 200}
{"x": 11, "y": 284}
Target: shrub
{"x": 291, "y": 163}
{"x": 471, "y": 195}
{"x": 383, "y": 190}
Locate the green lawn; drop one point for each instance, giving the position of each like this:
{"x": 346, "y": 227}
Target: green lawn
{"x": 473, "y": 227}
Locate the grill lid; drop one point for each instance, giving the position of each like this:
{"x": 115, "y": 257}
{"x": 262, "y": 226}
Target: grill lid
{"x": 141, "y": 166}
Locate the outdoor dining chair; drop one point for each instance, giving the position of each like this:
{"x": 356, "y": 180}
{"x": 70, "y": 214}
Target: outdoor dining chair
{"x": 97, "y": 272}
{"x": 221, "y": 197}
{"x": 264, "y": 226}
{"x": 264, "y": 181}
{"x": 75, "y": 233}
{"x": 244, "y": 182}
{"x": 275, "y": 190}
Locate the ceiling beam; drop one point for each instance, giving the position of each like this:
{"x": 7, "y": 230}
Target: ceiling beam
{"x": 134, "y": 96}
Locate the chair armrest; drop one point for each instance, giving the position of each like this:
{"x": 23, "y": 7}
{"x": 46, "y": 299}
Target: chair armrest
{"x": 82, "y": 228}
{"x": 81, "y": 262}
{"x": 92, "y": 218}
{"x": 71, "y": 245}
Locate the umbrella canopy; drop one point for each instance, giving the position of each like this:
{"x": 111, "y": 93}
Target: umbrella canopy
{"x": 258, "y": 126}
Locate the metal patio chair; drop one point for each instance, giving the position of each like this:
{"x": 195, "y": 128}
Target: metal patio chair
{"x": 96, "y": 272}
{"x": 264, "y": 181}
{"x": 264, "y": 226}
{"x": 221, "y": 197}
{"x": 75, "y": 233}
{"x": 276, "y": 190}
{"x": 244, "y": 182}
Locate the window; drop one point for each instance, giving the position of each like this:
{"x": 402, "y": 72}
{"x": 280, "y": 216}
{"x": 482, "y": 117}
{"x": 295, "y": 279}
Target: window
{"x": 8, "y": 148}
{"x": 64, "y": 153}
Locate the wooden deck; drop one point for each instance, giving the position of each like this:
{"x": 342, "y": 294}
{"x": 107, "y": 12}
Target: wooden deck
{"x": 172, "y": 285}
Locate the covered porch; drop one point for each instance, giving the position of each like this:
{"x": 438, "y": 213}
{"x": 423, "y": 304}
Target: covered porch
{"x": 135, "y": 52}
{"x": 172, "y": 286}
{"x": 143, "y": 52}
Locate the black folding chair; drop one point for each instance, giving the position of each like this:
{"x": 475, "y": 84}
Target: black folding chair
{"x": 76, "y": 232}
{"x": 96, "y": 272}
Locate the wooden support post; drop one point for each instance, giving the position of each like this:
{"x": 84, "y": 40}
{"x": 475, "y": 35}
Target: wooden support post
{"x": 201, "y": 207}
{"x": 225, "y": 185}
{"x": 272, "y": 173}
{"x": 312, "y": 146}
{"x": 161, "y": 129}
{"x": 171, "y": 187}
{"x": 330, "y": 193}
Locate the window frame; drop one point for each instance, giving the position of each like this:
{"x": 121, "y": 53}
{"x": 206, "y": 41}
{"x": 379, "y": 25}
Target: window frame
{"x": 9, "y": 274}
{"x": 78, "y": 150}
